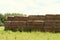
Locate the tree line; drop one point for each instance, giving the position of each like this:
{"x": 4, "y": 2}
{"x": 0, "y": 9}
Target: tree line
{"x": 3, "y": 17}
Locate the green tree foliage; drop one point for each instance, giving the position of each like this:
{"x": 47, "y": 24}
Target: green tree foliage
{"x": 13, "y": 14}
{"x": 1, "y": 19}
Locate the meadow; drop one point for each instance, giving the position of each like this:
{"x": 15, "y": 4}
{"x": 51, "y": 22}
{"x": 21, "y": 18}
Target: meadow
{"x": 9, "y": 35}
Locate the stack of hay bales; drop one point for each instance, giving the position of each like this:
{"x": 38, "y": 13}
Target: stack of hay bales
{"x": 49, "y": 23}
{"x": 6, "y": 24}
{"x": 21, "y": 22}
{"x": 35, "y": 22}
{"x": 16, "y": 23}
{"x": 57, "y": 20}
{"x": 38, "y": 25}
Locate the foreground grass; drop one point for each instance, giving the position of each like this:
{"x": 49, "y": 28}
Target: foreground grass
{"x": 9, "y": 35}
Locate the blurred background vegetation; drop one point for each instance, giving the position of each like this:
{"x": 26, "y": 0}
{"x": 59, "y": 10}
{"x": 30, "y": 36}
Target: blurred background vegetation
{"x": 3, "y": 17}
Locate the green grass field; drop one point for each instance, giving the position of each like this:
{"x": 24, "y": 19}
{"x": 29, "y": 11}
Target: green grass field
{"x": 9, "y": 35}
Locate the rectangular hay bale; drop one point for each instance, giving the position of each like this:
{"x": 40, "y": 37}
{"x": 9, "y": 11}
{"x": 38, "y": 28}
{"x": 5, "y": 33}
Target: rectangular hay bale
{"x": 50, "y": 16}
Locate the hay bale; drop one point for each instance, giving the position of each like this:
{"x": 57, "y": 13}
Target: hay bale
{"x": 29, "y": 25}
{"x": 14, "y": 25}
{"x": 57, "y": 25}
{"x": 50, "y": 16}
{"x": 36, "y": 17}
{"x": 57, "y": 17}
{"x": 35, "y": 25}
{"x": 18, "y": 25}
{"x": 17, "y": 18}
{"x": 10, "y": 18}
{"x": 49, "y": 24}
{"x": 57, "y": 29}
{"x": 22, "y": 25}
{"x": 6, "y": 24}
{"x": 52, "y": 21}
{"x": 57, "y": 21}
{"x": 49, "y": 30}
